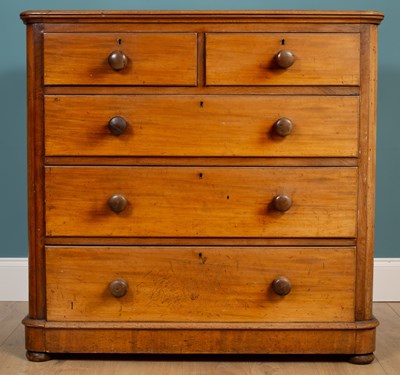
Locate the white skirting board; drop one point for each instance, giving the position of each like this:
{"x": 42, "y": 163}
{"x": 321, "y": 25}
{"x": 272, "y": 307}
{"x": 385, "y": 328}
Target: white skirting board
{"x": 387, "y": 279}
{"x": 14, "y": 279}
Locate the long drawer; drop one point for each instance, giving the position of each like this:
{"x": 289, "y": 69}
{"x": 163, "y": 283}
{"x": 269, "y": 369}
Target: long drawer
{"x": 201, "y": 201}
{"x": 150, "y": 59}
{"x": 251, "y": 59}
{"x": 191, "y": 125}
{"x": 190, "y": 284}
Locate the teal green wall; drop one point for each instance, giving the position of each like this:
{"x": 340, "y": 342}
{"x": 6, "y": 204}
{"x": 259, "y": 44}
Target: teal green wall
{"x": 13, "y": 203}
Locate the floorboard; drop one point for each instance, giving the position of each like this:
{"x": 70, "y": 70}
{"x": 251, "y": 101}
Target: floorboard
{"x": 388, "y": 337}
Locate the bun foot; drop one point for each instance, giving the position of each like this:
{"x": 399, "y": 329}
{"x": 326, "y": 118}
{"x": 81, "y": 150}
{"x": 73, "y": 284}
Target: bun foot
{"x": 37, "y": 356}
{"x": 362, "y": 359}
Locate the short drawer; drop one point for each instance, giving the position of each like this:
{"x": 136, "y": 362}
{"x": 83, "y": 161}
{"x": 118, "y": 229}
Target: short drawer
{"x": 208, "y": 284}
{"x": 252, "y": 59}
{"x": 201, "y": 201}
{"x": 149, "y": 59}
{"x": 191, "y": 125}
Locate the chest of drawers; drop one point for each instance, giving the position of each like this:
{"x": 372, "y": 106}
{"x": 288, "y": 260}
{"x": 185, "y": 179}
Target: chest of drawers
{"x": 201, "y": 182}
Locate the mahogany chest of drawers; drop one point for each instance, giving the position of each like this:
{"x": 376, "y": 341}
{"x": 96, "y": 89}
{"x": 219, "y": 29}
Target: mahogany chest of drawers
{"x": 201, "y": 182}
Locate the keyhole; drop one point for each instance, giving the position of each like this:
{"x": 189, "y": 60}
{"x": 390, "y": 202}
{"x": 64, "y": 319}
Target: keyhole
{"x": 283, "y": 42}
{"x": 201, "y": 104}
{"x": 119, "y": 40}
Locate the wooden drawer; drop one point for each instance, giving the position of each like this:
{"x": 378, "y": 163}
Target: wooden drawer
{"x": 152, "y": 59}
{"x": 201, "y": 201}
{"x": 249, "y": 59}
{"x": 215, "y": 125}
{"x": 208, "y": 284}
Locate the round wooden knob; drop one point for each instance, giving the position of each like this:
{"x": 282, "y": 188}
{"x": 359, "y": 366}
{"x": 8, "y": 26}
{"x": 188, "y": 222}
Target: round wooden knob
{"x": 282, "y": 202}
{"x": 117, "y": 60}
{"x": 117, "y": 202}
{"x": 117, "y": 125}
{"x": 283, "y": 127}
{"x": 282, "y": 286}
{"x": 118, "y": 288}
{"x": 284, "y": 58}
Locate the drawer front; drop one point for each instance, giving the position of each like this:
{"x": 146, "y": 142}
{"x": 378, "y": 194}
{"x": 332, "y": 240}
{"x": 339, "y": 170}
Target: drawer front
{"x": 250, "y": 59}
{"x": 151, "y": 59}
{"x": 199, "y": 284}
{"x": 201, "y": 202}
{"x": 206, "y": 126}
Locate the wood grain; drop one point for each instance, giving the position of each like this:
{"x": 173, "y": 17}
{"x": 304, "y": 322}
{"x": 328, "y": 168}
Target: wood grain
{"x": 110, "y": 17}
{"x": 395, "y": 307}
{"x": 196, "y": 241}
{"x": 12, "y": 357}
{"x": 247, "y": 59}
{"x": 132, "y": 338}
{"x": 388, "y": 337}
{"x": 323, "y": 126}
{"x": 10, "y": 317}
{"x": 201, "y": 202}
{"x": 203, "y": 90}
{"x": 367, "y": 173}
{"x": 200, "y": 284}
{"x": 200, "y": 168}
{"x": 202, "y": 161}
{"x": 154, "y": 59}
{"x": 200, "y": 341}
{"x": 35, "y": 170}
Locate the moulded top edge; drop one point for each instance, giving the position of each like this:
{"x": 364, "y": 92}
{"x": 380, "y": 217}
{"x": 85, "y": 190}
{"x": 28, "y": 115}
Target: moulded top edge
{"x": 177, "y": 16}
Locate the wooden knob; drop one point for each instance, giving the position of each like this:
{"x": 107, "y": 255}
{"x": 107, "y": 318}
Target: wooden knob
{"x": 117, "y": 60}
{"x": 283, "y": 127}
{"x": 284, "y": 58}
{"x": 282, "y": 202}
{"x": 117, "y": 125}
{"x": 282, "y": 286}
{"x": 118, "y": 288}
{"x": 117, "y": 202}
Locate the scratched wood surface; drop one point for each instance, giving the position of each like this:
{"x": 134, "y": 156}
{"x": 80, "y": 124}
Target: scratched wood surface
{"x": 200, "y": 284}
{"x": 207, "y": 125}
{"x": 201, "y": 202}
{"x": 248, "y": 59}
{"x": 153, "y": 59}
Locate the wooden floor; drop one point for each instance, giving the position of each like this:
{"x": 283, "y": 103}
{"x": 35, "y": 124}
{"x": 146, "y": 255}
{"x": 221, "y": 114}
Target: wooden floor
{"x": 13, "y": 362}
